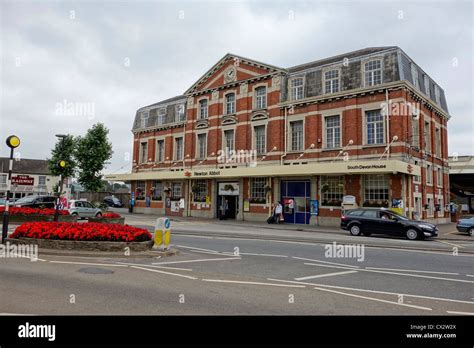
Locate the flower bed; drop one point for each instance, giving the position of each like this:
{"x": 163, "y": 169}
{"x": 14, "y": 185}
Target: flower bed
{"x": 108, "y": 218}
{"x": 32, "y": 211}
{"x": 81, "y": 232}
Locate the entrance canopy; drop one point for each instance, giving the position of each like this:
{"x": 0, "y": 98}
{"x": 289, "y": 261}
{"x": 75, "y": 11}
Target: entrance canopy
{"x": 317, "y": 168}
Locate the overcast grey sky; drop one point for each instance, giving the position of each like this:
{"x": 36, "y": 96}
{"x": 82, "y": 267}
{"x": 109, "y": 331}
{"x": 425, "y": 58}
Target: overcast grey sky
{"x": 117, "y": 56}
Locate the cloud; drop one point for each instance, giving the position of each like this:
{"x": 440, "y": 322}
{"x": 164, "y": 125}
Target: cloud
{"x": 169, "y": 45}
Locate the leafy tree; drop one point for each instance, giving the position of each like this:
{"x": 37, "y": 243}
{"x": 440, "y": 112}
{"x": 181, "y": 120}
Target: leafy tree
{"x": 63, "y": 151}
{"x": 92, "y": 153}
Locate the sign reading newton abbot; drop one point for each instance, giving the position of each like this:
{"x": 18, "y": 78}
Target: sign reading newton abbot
{"x": 369, "y": 166}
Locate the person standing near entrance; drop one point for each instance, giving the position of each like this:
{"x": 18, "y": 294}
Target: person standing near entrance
{"x": 278, "y": 212}
{"x": 224, "y": 208}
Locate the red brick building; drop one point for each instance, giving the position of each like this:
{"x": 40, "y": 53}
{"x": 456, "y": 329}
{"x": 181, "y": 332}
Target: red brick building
{"x": 367, "y": 127}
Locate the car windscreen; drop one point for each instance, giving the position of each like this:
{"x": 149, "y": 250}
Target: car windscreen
{"x": 26, "y": 200}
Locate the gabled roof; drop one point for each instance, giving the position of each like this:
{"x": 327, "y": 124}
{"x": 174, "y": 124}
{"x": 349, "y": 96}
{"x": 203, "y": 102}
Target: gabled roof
{"x": 339, "y": 57}
{"x": 222, "y": 61}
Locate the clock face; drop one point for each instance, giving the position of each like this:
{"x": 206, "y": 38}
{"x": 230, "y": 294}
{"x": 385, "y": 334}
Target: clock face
{"x": 230, "y": 75}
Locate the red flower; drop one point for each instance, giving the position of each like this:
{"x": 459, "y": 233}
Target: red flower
{"x": 111, "y": 215}
{"x": 81, "y": 231}
{"x": 32, "y": 211}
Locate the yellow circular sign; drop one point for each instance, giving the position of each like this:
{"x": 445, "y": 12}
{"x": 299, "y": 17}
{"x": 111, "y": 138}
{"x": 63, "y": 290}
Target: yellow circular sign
{"x": 62, "y": 164}
{"x": 13, "y": 141}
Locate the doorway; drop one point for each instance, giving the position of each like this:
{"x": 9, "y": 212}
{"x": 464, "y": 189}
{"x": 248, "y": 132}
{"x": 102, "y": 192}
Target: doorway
{"x": 232, "y": 208}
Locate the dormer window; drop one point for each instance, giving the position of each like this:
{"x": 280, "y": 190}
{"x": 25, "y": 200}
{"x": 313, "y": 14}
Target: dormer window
{"x": 414, "y": 75}
{"x": 331, "y": 81}
{"x": 230, "y": 104}
{"x": 427, "y": 86}
{"x": 437, "y": 95}
{"x": 180, "y": 114}
{"x": 373, "y": 73}
{"x": 144, "y": 119}
{"x": 296, "y": 88}
{"x": 161, "y": 116}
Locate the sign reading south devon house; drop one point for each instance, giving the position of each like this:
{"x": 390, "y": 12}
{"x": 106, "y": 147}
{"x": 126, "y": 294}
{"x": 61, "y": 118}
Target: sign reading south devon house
{"x": 367, "y": 166}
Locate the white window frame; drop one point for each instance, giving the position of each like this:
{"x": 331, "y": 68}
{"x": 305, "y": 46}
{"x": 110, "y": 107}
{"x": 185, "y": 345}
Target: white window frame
{"x": 202, "y": 192}
{"x": 255, "y": 140}
{"x": 427, "y": 137}
{"x": 224, "y": 139}
{"x": 415, "y": 132}
{"x": 414, "y": 76}
{"x": 257, "y": 189}
{"x": 290, "y": 143}
{"x": 201, "y": 153}
{"x": 439, "y": 177}
{"x": 203, "y": 111}
{"x": 376, "y": 133}
{"x": 333, "y": 128}
{"x": 437, "y": 95}
{"x": 372, "y": 72}
{"x": 41, "y": 180}
{"x": 178, "y": 156}
{"x": 142, "y": 153}
{"x": 333, "y": 81}
{"x": 158, "y": 187}
{"x": 233, "y": 105}
{"x": 158, "y": 150}
{"x": 429, "y": 174}
{"x": 178, "y": 116}
{"x": 377, "y": 181}
{"x": 427, "y": 86}
{"x": 417, "y": 178}
{"x": 161, "y": 116}
{"x": 335, "y": 191}
{"x": 144, "y": 116}
{"x": 175, "y": 190}
{"x": 438, "y": 144}
{"x": 260, "y": 100}
{"x": 296, "y": 92}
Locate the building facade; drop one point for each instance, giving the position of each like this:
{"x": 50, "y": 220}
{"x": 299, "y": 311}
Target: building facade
{"x": 366, "y": 128}
{"x": 29, "y": 176}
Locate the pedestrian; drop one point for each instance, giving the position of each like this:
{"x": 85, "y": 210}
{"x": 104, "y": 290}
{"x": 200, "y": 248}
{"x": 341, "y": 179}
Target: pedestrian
{"x": 224, "y": 208}
{"x": 278, "y": 214}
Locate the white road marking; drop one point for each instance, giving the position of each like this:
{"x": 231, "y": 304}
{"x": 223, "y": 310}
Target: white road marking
{"x": 398, "y": 273}
{"x": 163, "y": 272}
{"x": 452, "y": 244}
{"x": 206, "y": 252}
{"x": 269, "y": 255}
{"x": 6, "y": 314}
{"x": 325, "y": 275}
{"x": 373, "y": 291}
{"x": 410, "y": 270}
{"x": 331, "y": 263}
{"x": 88, "y": 263}
{"x": 199, "y": 260}
{"x": 470, "y": 275}
{"x": 461, "y": 313}
{"x": 251, "y": 283}
{"x": 194, "y": 248}
{"x": 329, "y": 266}
{"x": 374, "y": 299}
{"x": 145, "y": 265}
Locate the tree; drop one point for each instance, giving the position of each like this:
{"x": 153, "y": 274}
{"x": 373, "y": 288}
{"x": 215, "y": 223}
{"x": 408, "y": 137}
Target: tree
{"x": 92, "y": 153}
{"x": 63, "y": 151}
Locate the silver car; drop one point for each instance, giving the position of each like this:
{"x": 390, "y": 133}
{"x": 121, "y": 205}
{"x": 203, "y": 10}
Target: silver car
{"x": 84, "y": 209}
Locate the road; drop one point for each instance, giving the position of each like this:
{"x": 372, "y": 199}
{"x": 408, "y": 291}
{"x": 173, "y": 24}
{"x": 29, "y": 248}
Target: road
{"x": 223, "y": 275}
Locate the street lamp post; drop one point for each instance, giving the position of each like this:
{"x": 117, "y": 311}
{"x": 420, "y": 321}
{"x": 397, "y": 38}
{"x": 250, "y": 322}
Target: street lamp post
{"x": 61, "y": 164}
{"x": 12, "y": 142}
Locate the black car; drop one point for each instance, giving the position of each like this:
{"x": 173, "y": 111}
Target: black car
{"x": 36, "y": 202}
{"x": 113, "y": 201}
{"x": 466, "y": 226}
{"x": 382, "y": 221}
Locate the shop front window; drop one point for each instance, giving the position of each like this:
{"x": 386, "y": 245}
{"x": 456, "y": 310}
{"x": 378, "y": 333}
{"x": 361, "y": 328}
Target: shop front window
{"x": 199, "y": 190}
{"x": 376, "y": 190}
{"x": 332, "y": 190}
{"x": 140, "y": 191}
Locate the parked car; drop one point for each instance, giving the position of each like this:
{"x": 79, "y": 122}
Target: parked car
{"x": 35, "y": 201}
{"x": 113, "y": 201}
{"x": 83, "y": 209}
{"x": 383, "y": 221}
{"x": 2, "y": 201}
{"x": 466, "y": 226}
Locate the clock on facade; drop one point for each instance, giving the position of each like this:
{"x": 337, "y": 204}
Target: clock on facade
{"x": 230, "y": 75}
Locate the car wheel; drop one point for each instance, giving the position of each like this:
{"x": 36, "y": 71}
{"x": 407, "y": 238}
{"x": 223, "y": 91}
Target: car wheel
{"x": 412, "y": 234}
{"x": 75, "y": 214}
{"x": 355, "y": 230}
{"x": 470, "y": 232}
{"x": 98, "y": 215}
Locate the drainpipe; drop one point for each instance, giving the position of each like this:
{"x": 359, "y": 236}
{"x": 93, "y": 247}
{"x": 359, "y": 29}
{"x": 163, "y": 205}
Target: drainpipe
{"x": 285, "y": 138}
{"x": 388, "y": 122}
